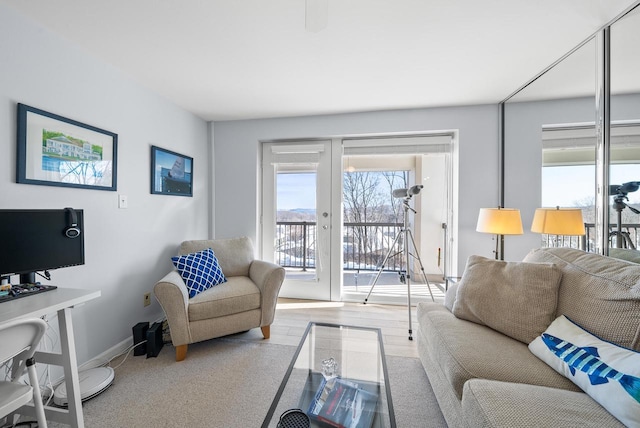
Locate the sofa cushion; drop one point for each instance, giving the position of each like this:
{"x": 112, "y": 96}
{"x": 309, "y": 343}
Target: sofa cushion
{"x": 608, "y": 373}
{"x": 450, "y": 296}
{"x": 599, "y": 293}
{"x": 488, "y": 403}
{"x": 200, "y": 271}
{"x": 627, "y": 254}
{"x": 238, "y": 294}
{"x": 515, "y": 298}
{"x": 464, "y": 350}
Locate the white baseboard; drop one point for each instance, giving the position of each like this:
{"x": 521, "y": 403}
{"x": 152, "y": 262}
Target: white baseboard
{"x": 98, "y": 361}
{"x": 114, "y": 351}
{"x": 106, "y": 356}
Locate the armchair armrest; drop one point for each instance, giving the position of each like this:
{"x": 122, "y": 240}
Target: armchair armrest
{"x": 172, "y": 294}
{"x": 268, "y": 277}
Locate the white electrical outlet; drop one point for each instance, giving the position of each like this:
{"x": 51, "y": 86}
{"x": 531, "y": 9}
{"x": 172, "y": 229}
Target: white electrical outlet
{"x": 122, "y": 202}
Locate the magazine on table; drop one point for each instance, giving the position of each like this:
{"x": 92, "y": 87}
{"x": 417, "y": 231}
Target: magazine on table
{"x": 343, "y": 403}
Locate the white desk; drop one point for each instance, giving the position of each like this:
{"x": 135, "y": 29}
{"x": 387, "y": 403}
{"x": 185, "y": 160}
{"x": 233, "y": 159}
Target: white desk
{"x": 61, "y": 300}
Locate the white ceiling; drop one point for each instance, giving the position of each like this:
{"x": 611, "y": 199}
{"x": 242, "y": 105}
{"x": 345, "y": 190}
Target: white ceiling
{"x": 240, "y": 59}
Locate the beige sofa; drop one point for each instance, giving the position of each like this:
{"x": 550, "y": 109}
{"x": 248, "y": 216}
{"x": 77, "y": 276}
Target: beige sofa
{"x": 247, "y": 300}
{"x": 484, "y": 378}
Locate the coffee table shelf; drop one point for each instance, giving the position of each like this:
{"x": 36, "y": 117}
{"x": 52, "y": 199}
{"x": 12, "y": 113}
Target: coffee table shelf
{"x": 359, "y": 353}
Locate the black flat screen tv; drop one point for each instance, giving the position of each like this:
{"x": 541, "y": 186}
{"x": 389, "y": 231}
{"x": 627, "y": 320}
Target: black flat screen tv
{"x": 40, "y": 240}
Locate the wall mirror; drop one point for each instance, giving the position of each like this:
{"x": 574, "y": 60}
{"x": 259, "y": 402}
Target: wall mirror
{"x": 549, "y": 145}
{"x": 624, "y": 169}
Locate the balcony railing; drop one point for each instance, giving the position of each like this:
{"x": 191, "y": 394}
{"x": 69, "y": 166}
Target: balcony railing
{"x": 365, "y": 245}
{"x": 296, "y": 244}
{"x": 630, "y": 238}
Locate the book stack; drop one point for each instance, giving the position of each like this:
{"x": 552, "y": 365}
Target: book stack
{"x": 343, "y": 403}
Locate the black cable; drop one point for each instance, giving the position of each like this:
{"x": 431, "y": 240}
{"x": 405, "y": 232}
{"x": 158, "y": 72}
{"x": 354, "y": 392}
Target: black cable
{"x": 28, "y": 424}
{"x": 45, "y": 274}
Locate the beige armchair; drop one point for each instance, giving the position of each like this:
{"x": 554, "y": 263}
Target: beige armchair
{"x": 247, "y": 300}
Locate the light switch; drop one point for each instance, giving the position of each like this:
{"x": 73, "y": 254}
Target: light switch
{"x": 122, "y": 202}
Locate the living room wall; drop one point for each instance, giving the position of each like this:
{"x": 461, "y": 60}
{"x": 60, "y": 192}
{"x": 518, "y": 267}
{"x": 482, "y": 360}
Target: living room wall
{"x": 126, "y": 250}
{"x": 237, "y": 159}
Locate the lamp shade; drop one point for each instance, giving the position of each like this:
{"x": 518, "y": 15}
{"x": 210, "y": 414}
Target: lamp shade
{"x": 558, "y": 221}
{"x": 499, "y": 221}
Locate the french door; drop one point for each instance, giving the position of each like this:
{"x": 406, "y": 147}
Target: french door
{"x": 307, "y": 225}
{"x": 296, "y": 215}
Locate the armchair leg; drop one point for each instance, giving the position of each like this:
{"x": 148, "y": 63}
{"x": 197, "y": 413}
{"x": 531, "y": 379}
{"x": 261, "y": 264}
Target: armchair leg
{"x": 266, "y": 331}
{"x": 181, "y": 352}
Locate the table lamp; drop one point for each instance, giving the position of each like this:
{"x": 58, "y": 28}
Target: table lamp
{"x": 558, "y": 221}
{"x": 499, "y": 221}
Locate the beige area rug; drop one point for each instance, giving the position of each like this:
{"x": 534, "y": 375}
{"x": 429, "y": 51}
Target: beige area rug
{"x": 230, "y": 382}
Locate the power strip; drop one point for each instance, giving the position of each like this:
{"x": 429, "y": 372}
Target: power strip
{"x": 154, "y": 340}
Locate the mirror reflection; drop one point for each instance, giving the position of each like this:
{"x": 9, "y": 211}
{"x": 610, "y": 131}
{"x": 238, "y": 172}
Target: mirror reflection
{"x": 550, "y": 141}
{"x": 624, "y": 170}
{"x": 550, "y": 149}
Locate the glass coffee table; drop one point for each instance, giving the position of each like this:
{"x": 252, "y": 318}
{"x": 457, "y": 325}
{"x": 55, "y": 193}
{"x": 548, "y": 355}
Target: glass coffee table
{"x": 352, "y": 392}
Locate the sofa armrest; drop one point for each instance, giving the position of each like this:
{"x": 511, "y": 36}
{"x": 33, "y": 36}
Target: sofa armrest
{"x": 173, "y": 296}
{"x": 268, "y": 277}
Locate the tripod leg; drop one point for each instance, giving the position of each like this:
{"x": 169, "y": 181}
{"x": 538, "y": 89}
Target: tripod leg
{"x": 384, "y": 262}
{"x": 628, "y": 242}
{"x": 407, "y": 235}
{"x": 424, "y": 275}
{"x": 409, "y": 302}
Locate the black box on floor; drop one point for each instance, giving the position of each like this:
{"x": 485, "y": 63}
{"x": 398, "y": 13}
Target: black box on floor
{"x": 154, "y": 339}
{"x": 140, "y": 335}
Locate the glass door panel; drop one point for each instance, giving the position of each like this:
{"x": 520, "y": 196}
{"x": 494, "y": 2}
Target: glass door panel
{"x": 296, "y": 216}
{"x": 374, "y": 258}
{"x": 296, "y": 224}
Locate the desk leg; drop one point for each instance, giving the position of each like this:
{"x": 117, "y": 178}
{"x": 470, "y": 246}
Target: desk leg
{"x": 70, "y": 364}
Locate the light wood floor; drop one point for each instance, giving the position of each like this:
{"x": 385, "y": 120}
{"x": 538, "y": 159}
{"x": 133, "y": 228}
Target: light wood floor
{"x": 292, "y": 317}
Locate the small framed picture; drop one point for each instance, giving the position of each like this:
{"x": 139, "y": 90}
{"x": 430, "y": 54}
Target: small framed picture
{"x": 56, "y": 151}
{"x": 171, "y": 173}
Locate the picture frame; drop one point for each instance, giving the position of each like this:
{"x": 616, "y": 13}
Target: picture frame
{"x": 171, "y": 173}
{"x": 58, "y": 151}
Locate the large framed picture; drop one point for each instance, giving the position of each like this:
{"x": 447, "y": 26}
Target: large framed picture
{"x": 56, "y": 151}
{"x": 171, "y": 173}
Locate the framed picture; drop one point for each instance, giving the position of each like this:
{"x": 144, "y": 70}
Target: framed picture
{"x": 171, "y": 173}
{"x": 56, "y": 151}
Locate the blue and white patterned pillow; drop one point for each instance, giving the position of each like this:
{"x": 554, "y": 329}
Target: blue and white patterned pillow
{"x": 200, "y": 271}
{"x": 609, "y": 373}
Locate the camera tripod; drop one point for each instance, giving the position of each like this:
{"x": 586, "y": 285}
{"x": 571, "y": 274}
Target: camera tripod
{"x": 406, "y": 277}
{"x": 623, "y": 240}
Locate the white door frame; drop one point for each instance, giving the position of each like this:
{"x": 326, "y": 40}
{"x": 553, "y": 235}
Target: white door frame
{"x": 334, "y": 222}
{"x": 314, "y": 155}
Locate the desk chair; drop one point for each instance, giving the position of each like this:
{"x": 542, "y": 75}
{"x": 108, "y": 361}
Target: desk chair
{"x": 19, "y": 341}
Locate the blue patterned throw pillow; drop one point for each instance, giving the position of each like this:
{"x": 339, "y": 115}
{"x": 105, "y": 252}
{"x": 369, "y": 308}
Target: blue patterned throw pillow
{"x": 609, "y": 373}
{"x": 200, "y": 271}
